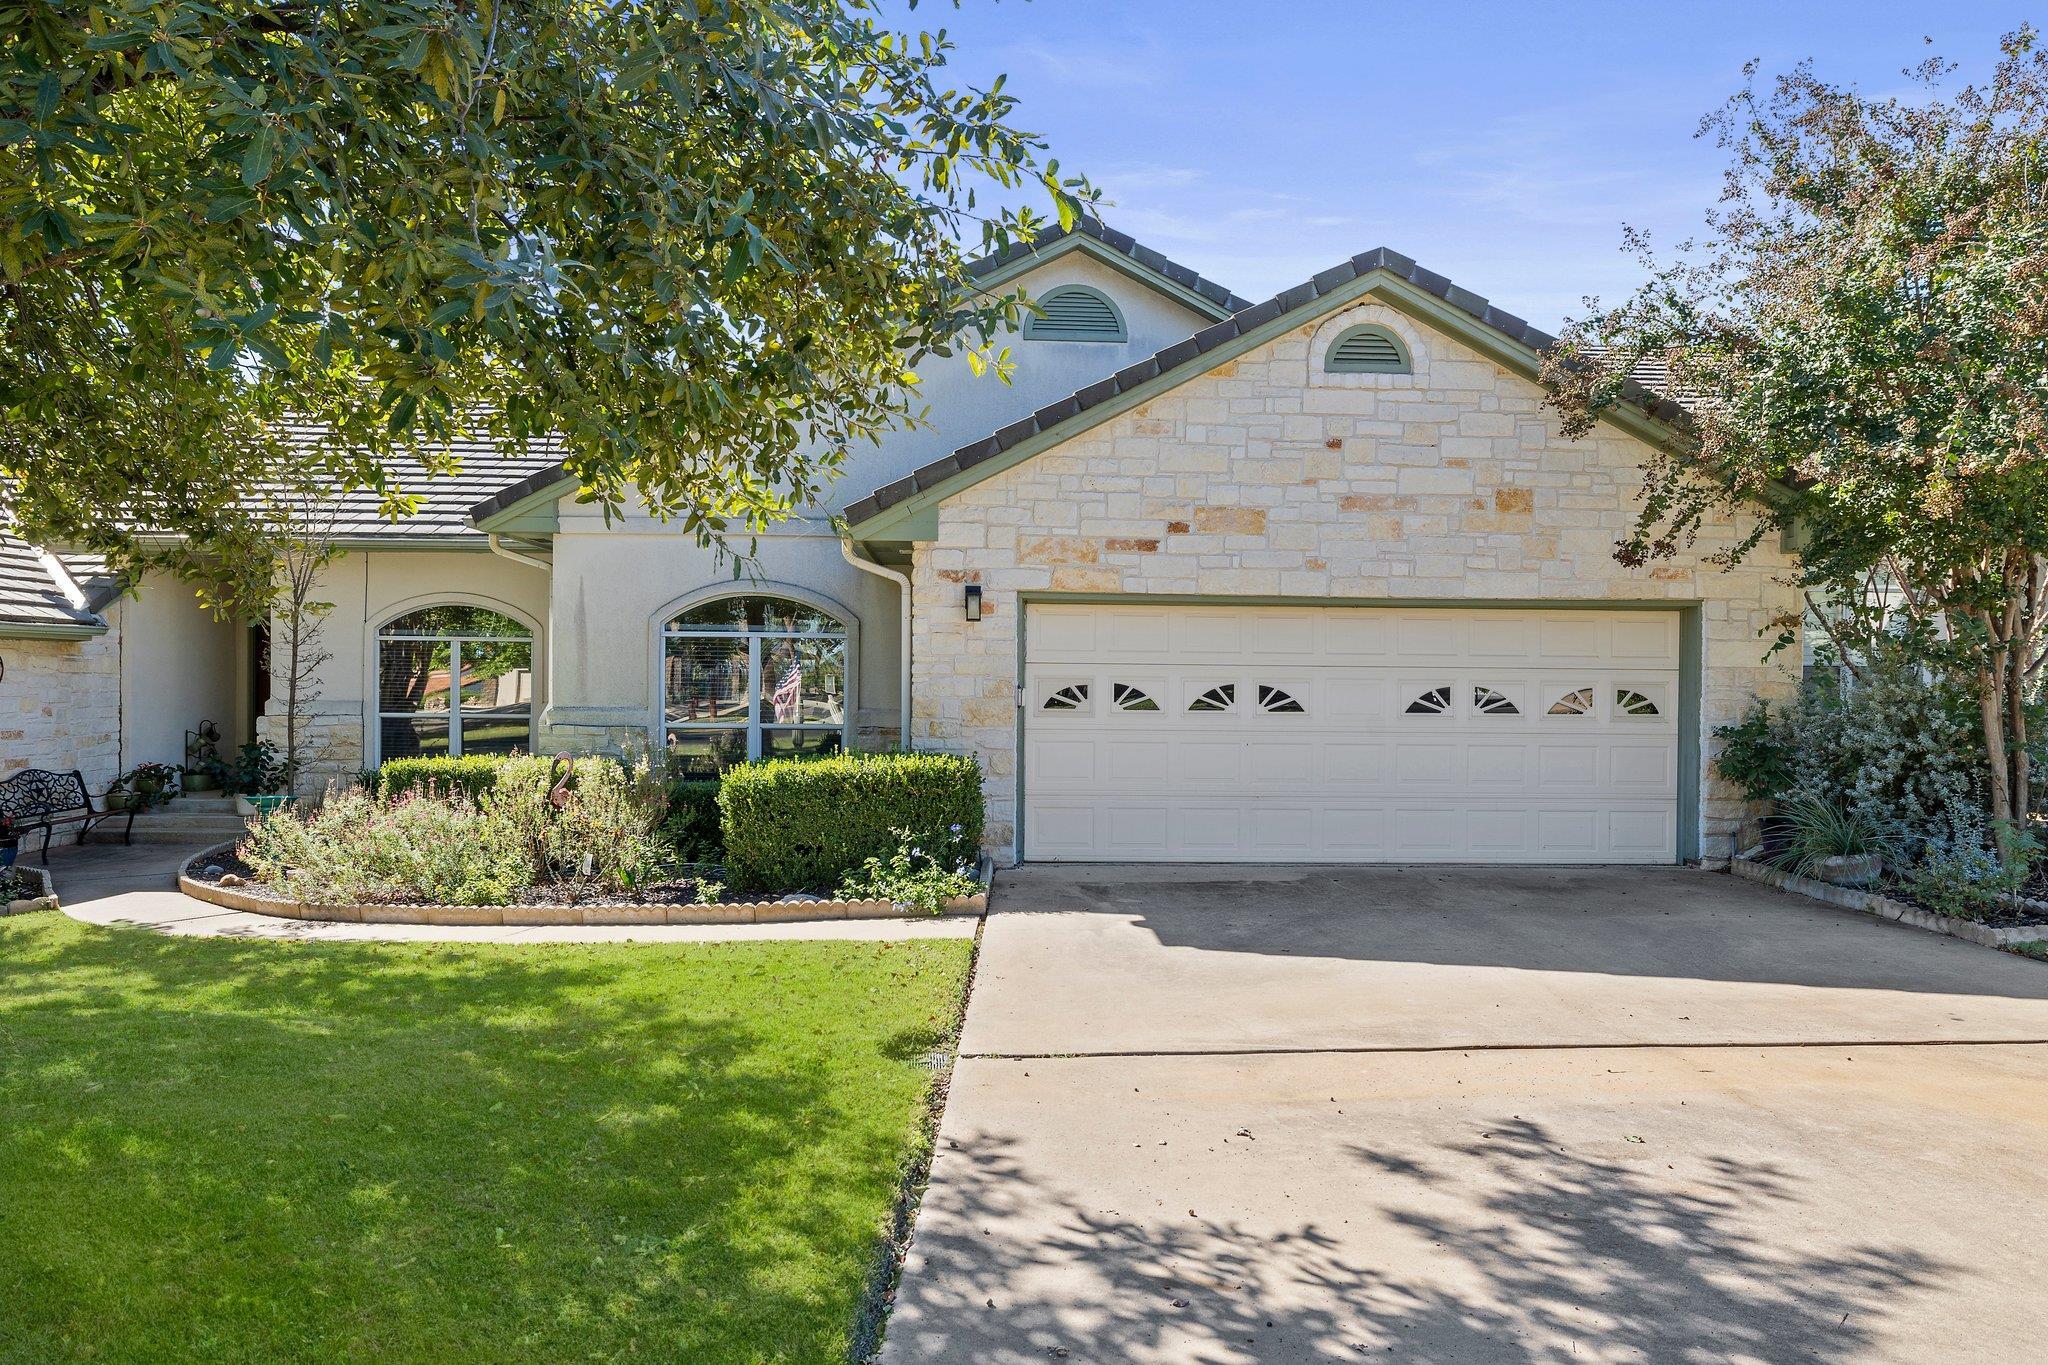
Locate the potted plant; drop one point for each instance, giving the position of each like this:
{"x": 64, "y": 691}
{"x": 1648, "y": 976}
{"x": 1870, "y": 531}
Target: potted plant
{"x": 1832, "y": 844}
{"x": 1756, "y": 755}
{"x": 259, "y": 779}
{"x": 203, "y": 769}
{"x": 144, "y": 786}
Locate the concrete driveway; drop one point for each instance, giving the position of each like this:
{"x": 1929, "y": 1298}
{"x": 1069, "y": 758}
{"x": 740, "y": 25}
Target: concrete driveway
{"x": 1462, "y": 1114}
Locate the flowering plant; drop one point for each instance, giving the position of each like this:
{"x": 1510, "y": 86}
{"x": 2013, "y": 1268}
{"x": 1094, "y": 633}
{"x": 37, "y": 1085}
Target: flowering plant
{"x": 911, "y": 878}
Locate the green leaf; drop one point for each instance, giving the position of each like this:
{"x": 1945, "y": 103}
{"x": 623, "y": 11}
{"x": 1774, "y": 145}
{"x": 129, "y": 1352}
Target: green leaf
{"x": 256, "y": 161}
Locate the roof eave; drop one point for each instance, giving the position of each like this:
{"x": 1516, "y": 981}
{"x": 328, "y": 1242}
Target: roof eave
{"x": 50, "y": 630}
{"x": 1125, "y": 265}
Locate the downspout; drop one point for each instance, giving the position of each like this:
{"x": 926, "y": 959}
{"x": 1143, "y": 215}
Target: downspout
{"x": 530, "y": 561}
{"x": 902, "y": 582}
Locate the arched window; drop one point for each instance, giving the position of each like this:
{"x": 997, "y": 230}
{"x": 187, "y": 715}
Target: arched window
{"x": 752, "y": 676}
{"x": 1074, "y": 312}
{"x": 453, "y": 680}
{"x": 1367, "y": 349}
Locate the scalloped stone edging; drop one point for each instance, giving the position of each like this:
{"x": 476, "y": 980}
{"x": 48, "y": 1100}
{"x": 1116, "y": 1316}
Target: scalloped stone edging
{"x": 737, "y": 912}
{"x": 26, "y": 904}
{"x": 1884, "y": 907}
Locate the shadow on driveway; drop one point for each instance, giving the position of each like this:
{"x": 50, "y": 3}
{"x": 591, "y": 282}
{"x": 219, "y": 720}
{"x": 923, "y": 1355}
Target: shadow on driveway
{"x": 1090, "y": 959}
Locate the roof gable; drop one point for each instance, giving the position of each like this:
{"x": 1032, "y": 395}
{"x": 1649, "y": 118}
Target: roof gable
{"x": 1117, "y": 250}
{"x": 527, "y": 505}
{"x": 897, "y": 510}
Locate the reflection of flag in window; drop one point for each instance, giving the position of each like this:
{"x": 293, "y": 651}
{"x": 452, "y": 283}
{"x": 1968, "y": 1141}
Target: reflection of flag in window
{"x": 785, "y": 697}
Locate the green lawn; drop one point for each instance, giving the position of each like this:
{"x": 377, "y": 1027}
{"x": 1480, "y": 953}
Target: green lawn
{"x": 261, "y": 1151}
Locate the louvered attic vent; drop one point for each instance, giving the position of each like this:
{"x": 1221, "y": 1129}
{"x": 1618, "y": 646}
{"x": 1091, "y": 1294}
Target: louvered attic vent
{"x": 1075, "y": 313}
{"x": 1367, "y": 350}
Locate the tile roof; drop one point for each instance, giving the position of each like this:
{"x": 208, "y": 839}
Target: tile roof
{"x": 1281, "y": 305}
{"x": 1124, "y": 245}
{"x": 445, "y": 499}
{"x": 32, "y": 595}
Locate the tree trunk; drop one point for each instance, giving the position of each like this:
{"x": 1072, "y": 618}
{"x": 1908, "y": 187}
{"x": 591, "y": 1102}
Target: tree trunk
{"x": 1991, "y": 687}
{"x": 291, "y": 712}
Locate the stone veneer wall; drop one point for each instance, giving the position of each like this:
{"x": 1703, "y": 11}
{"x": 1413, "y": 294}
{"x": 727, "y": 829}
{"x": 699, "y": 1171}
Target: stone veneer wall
{"x": 60, "y": 706}
{"x": 1269, "y": 477}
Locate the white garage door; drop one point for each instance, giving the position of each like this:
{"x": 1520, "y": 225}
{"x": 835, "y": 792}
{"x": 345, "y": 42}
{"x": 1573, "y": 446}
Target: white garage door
{"x": 1341, "y": 734}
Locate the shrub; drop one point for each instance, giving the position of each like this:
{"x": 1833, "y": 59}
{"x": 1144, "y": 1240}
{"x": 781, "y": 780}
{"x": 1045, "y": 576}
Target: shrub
{"x": 1895, "y": 749}
{"x": 472, "y": 775}
{"x": 1969, "y": 870}
{"x": 604, "y": 831}
{"x": 691, "y": 825}
{"x": 1757, "y": 754}
{"x": 443, "y": 850}
{"x": 441, "y": 845}
{"x": 811, "y": 823}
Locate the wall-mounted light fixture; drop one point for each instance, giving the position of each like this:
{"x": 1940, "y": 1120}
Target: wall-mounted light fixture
{"x": 973, "y": 604}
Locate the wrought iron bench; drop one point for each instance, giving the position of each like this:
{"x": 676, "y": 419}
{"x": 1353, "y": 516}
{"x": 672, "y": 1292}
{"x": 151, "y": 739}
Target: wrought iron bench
{"x": 37, "y": 799}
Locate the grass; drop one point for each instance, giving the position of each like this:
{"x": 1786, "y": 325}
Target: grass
{"x": 2033, "y": 947}
{"x": 260, "y": 1151}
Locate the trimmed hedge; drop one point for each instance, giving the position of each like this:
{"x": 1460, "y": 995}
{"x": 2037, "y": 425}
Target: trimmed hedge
{"x": 691, "y": 824}
{"x": 793, "y": 824}
{"x": 473, "y": 776}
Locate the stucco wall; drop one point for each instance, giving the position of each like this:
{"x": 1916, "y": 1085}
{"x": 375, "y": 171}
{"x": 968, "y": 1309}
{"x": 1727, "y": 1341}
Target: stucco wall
{"x": 178, "y": 667}
{"x": 367, "y": 589}
{"x": 966, "y": 407}
{"x": 60, "y": 705}
{"x": 615, "y": 585}
{"x": 1268, "y": 477}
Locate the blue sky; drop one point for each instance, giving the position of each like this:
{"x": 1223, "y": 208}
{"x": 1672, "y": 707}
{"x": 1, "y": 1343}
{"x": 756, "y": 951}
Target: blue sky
{"x": 1503, "y": 145}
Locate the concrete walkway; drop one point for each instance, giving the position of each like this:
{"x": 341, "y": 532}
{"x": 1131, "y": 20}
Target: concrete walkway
{"x": 1455, "y": 1114}
{"x": 115, "y": 885}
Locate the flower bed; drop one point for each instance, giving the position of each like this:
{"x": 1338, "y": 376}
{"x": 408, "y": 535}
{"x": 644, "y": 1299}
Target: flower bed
{"x": 204, "y": 878}
{"x": 537, "y": 840}
{"x": 1888, "y": 907}
{"x": 23, "y": 889}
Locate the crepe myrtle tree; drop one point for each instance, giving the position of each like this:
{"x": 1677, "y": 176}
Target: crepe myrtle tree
{"x": 277, "y": 574}
{"x": 1862, "y": 340}
{"x": 699, "y": 242}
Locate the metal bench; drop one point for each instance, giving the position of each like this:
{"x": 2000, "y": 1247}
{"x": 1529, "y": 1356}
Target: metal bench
{"x": 38, "y": 799}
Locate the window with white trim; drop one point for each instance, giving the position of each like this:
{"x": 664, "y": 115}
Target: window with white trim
{"x": 751, "y": 676}
{"x": 453, "y": 680}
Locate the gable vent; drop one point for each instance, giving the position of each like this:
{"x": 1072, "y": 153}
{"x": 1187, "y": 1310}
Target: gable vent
{"x": 1075, "y": 313}
{"x": 1366, "y": 350}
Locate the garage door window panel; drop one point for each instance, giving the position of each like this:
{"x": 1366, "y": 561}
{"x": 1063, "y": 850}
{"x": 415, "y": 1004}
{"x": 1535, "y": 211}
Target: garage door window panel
{"x": 1638, "y": 701}
{"x": 1495, "y": 701}
{"x": 1066, "y": 697}
{"x": 1279, "y": 701}
{"x": 1132, "y": 697}
{"x": 1431, "y": 701}
{"x": 1213, "y": 697}
{"x": 1578, "y": 701}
